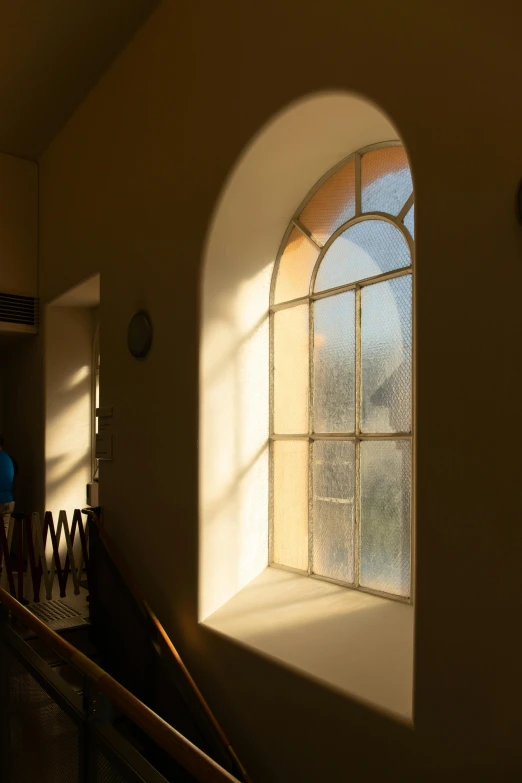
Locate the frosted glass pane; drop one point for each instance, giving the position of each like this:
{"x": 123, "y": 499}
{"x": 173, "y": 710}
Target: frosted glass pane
{"x": 334, "y": 363}
{"x": 386, "y": 180}
{"x": 334, "y": 472}
{"x": 385, "y": 516}
{"x": 332, "y": 205}
{"x": 409, "y": 220}
{"x": 290, "y": 543}
{"x": 364, "y": 250}
{"x": 295, "y": 267}
{"x": 291, "y": 361}
{"x": 386, "y": 334}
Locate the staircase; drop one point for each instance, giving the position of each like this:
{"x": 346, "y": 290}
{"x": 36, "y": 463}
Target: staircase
{"x": 99, "y": 696}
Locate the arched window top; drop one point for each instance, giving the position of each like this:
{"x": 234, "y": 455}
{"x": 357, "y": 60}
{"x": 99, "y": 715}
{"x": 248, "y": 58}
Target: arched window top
{"x": 341, "y": 378}
{"x": 366, "y": 249}
{"x": 331, "y": 242}
{"x": 290, "y": 501}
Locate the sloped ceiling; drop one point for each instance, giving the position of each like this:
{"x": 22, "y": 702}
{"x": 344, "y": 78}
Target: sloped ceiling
{"x": 51, "y": 54}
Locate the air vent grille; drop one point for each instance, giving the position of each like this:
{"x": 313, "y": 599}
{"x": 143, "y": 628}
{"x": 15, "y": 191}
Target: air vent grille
{"x": 16, "y": 309}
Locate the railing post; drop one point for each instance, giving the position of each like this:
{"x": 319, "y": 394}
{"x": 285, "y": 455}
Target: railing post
{"x": 5, "y": 699}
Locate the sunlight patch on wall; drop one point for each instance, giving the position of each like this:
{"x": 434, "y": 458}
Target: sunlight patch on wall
{"x": 235, "y": 507}
{"x": 79, "y": 376}
{"x": 68, "y": 345}
{"x": 263, "y": 191}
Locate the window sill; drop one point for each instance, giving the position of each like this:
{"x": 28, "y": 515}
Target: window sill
{"x": 358, "y": 643}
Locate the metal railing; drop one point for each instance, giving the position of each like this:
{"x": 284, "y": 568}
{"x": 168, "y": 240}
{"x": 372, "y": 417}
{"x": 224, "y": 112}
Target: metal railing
{"x": 43, "y": 552}
{"x": 46, "y": 556}
{"x": 175, "y": 667}
{"x": 63, "y": 719}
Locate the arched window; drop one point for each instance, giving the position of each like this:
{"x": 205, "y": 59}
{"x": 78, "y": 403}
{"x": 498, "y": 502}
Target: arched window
{"x": 341, "y": 378}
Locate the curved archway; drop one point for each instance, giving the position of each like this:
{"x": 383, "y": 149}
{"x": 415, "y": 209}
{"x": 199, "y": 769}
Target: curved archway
{"x": 278, "y": 168}
{"x": 309, "y": 624}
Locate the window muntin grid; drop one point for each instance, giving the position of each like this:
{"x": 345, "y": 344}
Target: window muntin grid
{"x": 344, "y": 523}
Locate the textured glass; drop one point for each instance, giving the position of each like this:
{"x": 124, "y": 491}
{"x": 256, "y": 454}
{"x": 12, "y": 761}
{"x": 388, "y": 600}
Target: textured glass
{"x": 385, "y": 516}
{"x": 386, "y": 180}
{"x": 334, "y": 482}
{"x": 386, "y": 335}
{"x": 295, "y": 267}
{"x": 409, "y": 220}
{"x": 290, "y": 541}
{"x": 291, "y": 339}
{"x": 364, "y": 250}
{"x": 332, "y": 205}
{"x": 334, "y": 363}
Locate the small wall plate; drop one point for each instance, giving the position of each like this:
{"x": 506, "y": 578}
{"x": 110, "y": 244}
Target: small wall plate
{"x": 139, "y": 334}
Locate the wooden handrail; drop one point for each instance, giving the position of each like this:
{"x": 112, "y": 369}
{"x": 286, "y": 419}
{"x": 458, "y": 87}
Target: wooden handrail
{"x": 205, "y": 769}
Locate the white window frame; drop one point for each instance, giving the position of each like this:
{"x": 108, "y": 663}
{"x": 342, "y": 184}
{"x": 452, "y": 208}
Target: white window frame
{"x": 357, "y": 436}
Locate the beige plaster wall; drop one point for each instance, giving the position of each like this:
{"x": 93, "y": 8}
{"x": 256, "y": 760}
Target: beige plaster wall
{"x": 21, "y": 366}
{"x": 69, "y": 335}
{"x": 21, "y": 359}
{"x": 18, "y": 226}
{"x": 128, "y": 189}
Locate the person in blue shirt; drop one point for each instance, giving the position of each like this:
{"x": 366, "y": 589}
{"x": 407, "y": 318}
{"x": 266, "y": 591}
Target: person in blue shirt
{"x": 7, "y": 474}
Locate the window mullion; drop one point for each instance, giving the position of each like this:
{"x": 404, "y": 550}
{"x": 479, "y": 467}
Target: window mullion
{"x": 358, "y": 187}
{"x": 308, "y": 234}
{"x": 271, "y": 444}
{"x": 310, "y": 444}
{"x": 358, "y": 389}
{"x": 406, "y": 208}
